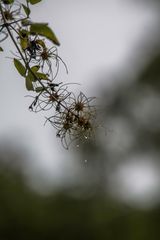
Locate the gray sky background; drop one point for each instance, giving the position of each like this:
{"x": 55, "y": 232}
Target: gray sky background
{"x": 96, "y": 36}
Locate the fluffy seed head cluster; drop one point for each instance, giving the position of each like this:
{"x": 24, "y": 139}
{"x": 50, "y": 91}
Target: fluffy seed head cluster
{"x": 76, "y": 121}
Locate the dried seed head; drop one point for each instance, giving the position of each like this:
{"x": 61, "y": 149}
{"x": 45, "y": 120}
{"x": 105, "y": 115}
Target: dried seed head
{"x": 79, "y": 106}
{"x": 8, "y": 15}
{"x": 44, "y": 55}
{"x": 54, "y": 97}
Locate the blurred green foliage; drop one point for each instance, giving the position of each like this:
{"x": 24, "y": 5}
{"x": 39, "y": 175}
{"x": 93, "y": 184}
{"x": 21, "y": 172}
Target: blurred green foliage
{"x": 25, "y": 214}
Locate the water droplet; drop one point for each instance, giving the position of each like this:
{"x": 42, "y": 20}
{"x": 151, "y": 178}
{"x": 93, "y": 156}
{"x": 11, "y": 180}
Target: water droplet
{"x": 85, "y": 137}
{"x": 85, "y": 160}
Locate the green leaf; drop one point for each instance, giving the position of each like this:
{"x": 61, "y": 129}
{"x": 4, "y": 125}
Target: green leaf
{"x": 35, "y": 68}
{"x": 44, "y": 30}
{"x": 31, "y": 76}
{"x": 26, "y": 22}
{"x": 29, "y": 84}
{"x": 1, "y": 49}
{"x": 20, "y": 68}
{"x": 39, "y": 89}
{"x": 26, "y": 9}
{"x": 34, "y": 1}
{"x": 23, "y": 34}
{"x": 24, "y": 43}
{"x": 8, "y": 1}
{"x": 41, "y": 76}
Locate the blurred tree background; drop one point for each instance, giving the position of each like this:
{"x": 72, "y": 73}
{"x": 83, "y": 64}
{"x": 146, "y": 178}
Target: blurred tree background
{"x": 98, "y": 206}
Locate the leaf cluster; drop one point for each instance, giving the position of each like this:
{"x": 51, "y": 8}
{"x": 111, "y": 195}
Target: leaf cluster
{"x": 36, "y": 59}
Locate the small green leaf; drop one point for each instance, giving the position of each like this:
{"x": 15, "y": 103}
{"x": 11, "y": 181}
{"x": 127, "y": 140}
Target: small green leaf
{"x": 26, "y": 9}
{"x": 34, "y": 1}
{"x": 41, "y": 76}
{"x": 31, "y": 76}
{"x": 39, "y": 89}
{"x": 26, "y": 22}
{"x": 44, "y": 30}
{"x": 29, "y": 84}
{"x": 20, "y": 68}
{"x": 35, "y": 68}
{"x": 1, "y": 49}
{"x": 34, "y": 75}
{"x": 23, "y": 34}
{"x": 24, "y": 43}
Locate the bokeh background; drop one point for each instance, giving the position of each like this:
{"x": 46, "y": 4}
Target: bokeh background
{"x": 108, "y": 188}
